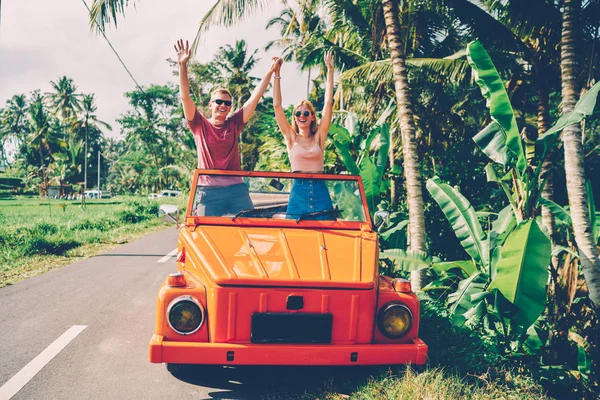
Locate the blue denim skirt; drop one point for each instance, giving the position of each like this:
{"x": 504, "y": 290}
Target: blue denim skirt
{"x": 309, "y": 195}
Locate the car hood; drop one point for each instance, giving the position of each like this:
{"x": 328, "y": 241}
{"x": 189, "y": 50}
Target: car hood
{"x": 283, "y": 257}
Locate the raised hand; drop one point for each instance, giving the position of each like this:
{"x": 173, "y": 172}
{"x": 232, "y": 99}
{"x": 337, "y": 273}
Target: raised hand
{"x": 276, "y": 65}
{"x": 183, "y": 52}
{"x": 328, "y": 57}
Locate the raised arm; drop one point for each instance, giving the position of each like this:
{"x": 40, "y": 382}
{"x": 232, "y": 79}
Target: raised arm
{"x": 327, "y": 113}
{"x": 257, "y": 93}
{"x": 183, "y": 56}
{"x": 282, "y": 122}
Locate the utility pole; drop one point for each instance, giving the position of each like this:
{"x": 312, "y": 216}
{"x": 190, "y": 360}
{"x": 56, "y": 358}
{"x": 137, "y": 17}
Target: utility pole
{"x": 98, "y": 173}
{"x": 85, "y": 160}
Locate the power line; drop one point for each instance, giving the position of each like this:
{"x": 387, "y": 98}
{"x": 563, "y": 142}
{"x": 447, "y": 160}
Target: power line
{"x": 113, "y": 49}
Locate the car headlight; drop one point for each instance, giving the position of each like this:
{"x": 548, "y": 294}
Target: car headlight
{"x": 394, "y": 320}
{"x": 185, "y": 315}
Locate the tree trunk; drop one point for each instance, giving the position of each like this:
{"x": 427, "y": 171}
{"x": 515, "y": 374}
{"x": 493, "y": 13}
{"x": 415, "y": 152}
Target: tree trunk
{"x": 575, "y": 173}
{"x": 308, "y": 85}
{"x": 412, "y": 172}
{"x": 543, "y": 122}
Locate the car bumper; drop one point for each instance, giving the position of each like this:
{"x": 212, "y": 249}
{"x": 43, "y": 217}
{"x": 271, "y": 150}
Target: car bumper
{"x": 286, "y": 354}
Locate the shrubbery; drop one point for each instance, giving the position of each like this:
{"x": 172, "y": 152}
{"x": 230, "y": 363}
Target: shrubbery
{"x": 55, "y": 234}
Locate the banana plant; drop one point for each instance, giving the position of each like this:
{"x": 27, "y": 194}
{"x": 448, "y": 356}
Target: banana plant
{"x": 501, "y": 141}
{"x": 370, "y": 161}
{"x": 508, "y": 262}
{"x": 505, "y": 281}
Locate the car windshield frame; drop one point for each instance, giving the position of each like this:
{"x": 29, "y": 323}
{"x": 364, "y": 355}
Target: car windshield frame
{"x": 242, "y": 220}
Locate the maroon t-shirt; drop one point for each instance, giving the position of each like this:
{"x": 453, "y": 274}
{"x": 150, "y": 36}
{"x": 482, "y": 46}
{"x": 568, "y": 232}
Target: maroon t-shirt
{"x": 217, "y": 146}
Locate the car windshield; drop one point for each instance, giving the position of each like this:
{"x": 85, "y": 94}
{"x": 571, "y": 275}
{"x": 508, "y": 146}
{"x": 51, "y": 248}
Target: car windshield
{"x": 279, "y": 198}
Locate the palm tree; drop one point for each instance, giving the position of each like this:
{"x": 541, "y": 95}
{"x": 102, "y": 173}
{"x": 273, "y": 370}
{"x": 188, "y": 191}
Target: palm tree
{"x": 414, "y": 180}
{"x": 13, "y": 122}
{"x": 236, "y": 63}
{"x": 64, "y": 101}
{"x": 88, "y": 119}
{"x": 297, "y": 29}
{"x": 40, "y": 134}
{"x": 574, "y": 155}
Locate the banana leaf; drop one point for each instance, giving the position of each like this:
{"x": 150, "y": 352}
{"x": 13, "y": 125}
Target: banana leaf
{"x": 557, "y": 250}
{"x": 584, "y": 363}
{"x": 409, "y": 260}
{"x": 505, "y": 222}
{"x": 561, "y": 216}
{"x": 462, "y": 218}
{"x": 474, "y": 316}
{"x": 371, "y": 182}
{"x": 522, "y": 271}
{"x": 492, "y": 141}
{"x": 536, "y": 337}
{"x": 395, "y": 237}
{"x": 351, "y": 124}
{"x": 467, "y": 267}
{"x": 584, "y": 107}
{"x": 501, "y": 111}
{"x": 383, "y": 153}
{"x": 460, "y": 301}
{"x": 343, "y": 142}
{"x": 501, "y": 228}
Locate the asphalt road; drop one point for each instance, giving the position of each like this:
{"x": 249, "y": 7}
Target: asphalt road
{"x": 97, "y": 316}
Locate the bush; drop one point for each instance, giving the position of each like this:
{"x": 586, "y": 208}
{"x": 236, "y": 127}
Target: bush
{"x": 102, "y": 225}
{"x": 137, "y": 212}
{"x": 50, "y": 245}
{"x": 44, "y": 228}
{"x": 448, "y": 343}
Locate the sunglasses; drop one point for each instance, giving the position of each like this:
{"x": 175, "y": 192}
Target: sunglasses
{"x": 226, "y": 102}
{"x": 305, "y": 113}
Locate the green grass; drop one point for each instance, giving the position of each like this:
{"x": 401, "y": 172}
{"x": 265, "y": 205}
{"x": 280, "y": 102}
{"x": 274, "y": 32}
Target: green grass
{"x": 461, "y": 365}
{"x": 37, "y": 235}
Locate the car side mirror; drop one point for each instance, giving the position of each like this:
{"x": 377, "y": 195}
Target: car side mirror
{"x": 169, "y": 213}
{"x": 276, "y": 183}
{"x": 379, "y": 218}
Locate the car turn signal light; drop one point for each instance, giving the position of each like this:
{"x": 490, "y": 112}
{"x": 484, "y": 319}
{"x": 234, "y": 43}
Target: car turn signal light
{"x": 401, "y": 286}
{"x": 176, "y": 279}
{"x": 181, "y": 256}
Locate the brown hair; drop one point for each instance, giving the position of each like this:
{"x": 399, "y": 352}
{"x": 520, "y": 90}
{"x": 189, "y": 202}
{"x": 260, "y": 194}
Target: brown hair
{"x": 313, "y": 124}
{"x": 221, "y": 90}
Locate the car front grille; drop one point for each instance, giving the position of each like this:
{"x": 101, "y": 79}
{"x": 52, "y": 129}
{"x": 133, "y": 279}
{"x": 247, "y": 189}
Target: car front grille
{"x": 291, "y": 328}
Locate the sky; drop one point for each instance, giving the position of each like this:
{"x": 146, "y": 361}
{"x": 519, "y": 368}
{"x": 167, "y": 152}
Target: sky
{"x": 43, "y": 40}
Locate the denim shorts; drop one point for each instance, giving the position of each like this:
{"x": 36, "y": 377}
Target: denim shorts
{"x": 214, "y": 201}
{"x": 309, "y": 195}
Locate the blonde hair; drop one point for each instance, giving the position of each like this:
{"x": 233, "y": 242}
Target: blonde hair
{"x": 313, "y": 124}
{"x": 221, "y": 90}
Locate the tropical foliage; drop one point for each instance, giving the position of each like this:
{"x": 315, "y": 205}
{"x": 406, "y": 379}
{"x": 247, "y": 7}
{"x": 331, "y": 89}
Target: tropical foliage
{"x": 506, "y": 230}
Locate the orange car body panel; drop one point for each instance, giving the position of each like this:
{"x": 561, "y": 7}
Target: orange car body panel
{"x": 236, "y": 268}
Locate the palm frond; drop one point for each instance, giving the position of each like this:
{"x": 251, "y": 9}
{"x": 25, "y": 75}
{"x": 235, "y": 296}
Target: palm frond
{"x": 492, "y": 33}
{"x": 227, "y": 13}
{"x": 381, "y": 71}
{"x": 104, "y": 13}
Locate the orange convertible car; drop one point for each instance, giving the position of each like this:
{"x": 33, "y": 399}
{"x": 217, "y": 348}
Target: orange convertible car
{"x": 260, "y": 286}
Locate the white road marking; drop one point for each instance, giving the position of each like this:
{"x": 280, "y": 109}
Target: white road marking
{"x": 16, "y": 383}
{"x": 168, "y": 256}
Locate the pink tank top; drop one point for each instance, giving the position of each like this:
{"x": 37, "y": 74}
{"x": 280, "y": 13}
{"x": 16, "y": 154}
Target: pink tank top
{"x": 303, "y": 160}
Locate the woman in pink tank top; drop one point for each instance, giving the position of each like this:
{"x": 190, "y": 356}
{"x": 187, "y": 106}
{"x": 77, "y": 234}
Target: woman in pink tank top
{"x": 305, "y": 141}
